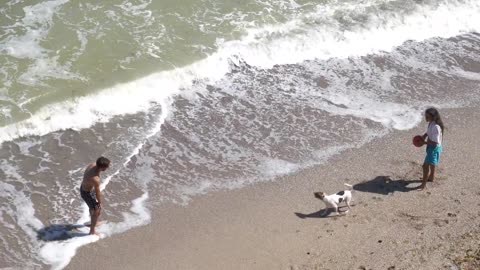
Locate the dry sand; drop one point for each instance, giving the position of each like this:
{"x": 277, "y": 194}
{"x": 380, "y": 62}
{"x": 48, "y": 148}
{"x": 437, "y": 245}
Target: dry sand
{"x": 276, "y": 225}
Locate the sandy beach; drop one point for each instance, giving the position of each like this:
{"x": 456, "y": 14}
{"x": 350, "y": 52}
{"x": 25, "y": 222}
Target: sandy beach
{"x": 277, "y": 225}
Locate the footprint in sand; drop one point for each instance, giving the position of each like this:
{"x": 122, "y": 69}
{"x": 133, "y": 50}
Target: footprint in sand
{"x": 451, "y": 215}
{"x": 419, "y": 226}
{"x": 414, "y": 221}
{"x": 441, "y": 222}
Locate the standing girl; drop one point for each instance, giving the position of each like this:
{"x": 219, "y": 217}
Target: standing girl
{"x": 434, "y": 145}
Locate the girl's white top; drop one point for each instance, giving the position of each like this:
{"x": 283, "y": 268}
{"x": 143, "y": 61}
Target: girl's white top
{"x": 434, "y": 132}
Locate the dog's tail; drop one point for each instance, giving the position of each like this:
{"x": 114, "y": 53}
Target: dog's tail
{"x": 350, "y": 187}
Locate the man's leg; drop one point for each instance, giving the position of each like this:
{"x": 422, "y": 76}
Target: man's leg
{"x": 425, "y": 176}
{"x": 431, "y": 177}
{"x": 94, "y": 218}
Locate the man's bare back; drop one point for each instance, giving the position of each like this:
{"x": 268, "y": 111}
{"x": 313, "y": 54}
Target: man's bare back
{"x": 91, "y": 178}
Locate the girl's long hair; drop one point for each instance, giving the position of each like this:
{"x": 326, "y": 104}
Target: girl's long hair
{"x": 435, "y": 117}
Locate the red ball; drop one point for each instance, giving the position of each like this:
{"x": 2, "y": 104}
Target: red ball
{"x": 418, "y": 141}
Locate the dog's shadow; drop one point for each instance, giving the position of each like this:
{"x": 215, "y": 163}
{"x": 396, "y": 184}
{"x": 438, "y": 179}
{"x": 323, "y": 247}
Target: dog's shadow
{"x": 385, "y": 185}
{"x": 324, "y": 213}
{"x": 380, "y": 185}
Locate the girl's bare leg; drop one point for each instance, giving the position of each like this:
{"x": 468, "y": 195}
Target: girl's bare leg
{"x": 431, "y": 177}
{"x": 425, "y": 168}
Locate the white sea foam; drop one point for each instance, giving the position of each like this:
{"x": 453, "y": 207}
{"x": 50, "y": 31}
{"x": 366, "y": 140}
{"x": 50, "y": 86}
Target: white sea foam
{"x": 127, "y": 98}
{"x": 275, "y": 167}
{"x": 297, "y": 40}
{"x": 25, "y": 213}
{"x": 21, "y": 208}
{"x": 35, "y": 25}
{"x": 391, "y": 115}
{"x": 58, "y": 254}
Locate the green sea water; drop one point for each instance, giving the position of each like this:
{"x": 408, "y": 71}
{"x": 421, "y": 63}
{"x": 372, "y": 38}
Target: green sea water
{"x": 54, "y": 51}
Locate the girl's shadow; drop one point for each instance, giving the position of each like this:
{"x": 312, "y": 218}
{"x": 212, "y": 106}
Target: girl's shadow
{"x": 385, "y": 185}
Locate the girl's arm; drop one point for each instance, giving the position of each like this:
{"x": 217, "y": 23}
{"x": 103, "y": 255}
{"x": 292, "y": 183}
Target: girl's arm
{"x": 424, "y": 136}
{"x": 430, "y": 142}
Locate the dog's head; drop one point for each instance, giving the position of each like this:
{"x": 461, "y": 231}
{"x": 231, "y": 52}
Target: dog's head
{"x": 319, "y": 195}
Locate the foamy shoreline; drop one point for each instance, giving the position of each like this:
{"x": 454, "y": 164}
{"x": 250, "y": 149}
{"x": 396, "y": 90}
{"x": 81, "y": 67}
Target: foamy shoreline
{"x": 257, "y": 228}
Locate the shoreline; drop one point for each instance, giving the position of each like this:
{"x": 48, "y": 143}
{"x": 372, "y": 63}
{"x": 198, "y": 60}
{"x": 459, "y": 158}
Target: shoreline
{"x": 275, "y": 225}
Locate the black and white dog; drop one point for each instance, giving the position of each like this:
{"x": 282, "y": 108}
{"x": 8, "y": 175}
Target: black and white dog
{"x": 333, "y": 200}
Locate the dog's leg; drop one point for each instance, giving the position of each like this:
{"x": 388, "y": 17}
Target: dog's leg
{"x": 336, "y": 209}
{"x": 348, "y": 205}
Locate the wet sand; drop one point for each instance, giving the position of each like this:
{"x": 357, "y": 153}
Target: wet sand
{"x": 277, "y": 225}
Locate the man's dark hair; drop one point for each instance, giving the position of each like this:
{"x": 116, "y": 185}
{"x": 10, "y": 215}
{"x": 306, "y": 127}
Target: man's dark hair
{"x": 103, "y": 162}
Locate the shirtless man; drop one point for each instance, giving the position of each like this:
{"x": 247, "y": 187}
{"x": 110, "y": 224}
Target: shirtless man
{"x": 90, "y": 189}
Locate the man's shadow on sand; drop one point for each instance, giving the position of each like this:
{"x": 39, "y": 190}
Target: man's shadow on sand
{"x": 60, "y": 232}
{"x": 383, "y": 185}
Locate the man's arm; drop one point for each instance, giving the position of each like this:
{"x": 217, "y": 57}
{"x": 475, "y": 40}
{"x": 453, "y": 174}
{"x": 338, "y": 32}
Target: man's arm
{"x": 98, "y": 193}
